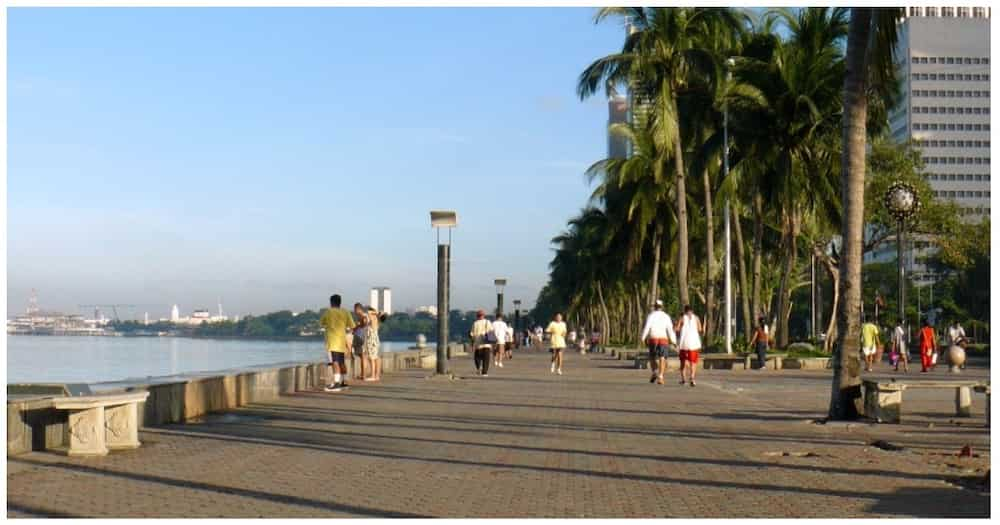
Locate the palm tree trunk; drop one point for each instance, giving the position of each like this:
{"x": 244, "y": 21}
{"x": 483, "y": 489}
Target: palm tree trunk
{"x": 742, "y": 269}
{"x": 657, "y": 245}
{"x": 784, "y": 287}
{"x": 709, "y": 253}
{"x": 682, "y": 222}
{"x": 831, "y": 269}
{"x": 845, "y": 395}
{"x": 758, "y": 246}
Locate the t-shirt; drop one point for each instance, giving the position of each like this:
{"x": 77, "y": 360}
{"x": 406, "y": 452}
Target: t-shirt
{"x": 689, "y": 337}
{"x": 500, "y": 331}
{"x": 479, "y": 330}
{"x": 869, "y": 335}
{"x": 558, "y": 333}
{"x": 899, "y": 339}
{"x": 658, "y": 328}
{"x": 955, "y": 333}
{"x": 336, "y": 323}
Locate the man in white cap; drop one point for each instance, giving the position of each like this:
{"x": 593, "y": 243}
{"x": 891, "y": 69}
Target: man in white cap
{"x": 658, "y": 333}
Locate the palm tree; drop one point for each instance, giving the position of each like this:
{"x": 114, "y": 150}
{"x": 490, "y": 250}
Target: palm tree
{"x": 870, "y": 45}
{"x": 661, "y": 57}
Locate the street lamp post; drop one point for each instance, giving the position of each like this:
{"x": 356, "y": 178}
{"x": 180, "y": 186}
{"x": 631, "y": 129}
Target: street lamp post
{"x": 902, "y": 202}
{"x": 517, "y": 320}
{"x": 727, "y": 318}
{"x": 443, "y": 219}
{"x": 500, "y": 283}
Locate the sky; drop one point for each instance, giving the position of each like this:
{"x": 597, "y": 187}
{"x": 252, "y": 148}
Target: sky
{"x": 270, "y": 157}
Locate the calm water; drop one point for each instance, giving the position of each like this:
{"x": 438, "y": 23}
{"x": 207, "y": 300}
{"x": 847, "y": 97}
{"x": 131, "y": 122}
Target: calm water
{"x": 81, "y": 359}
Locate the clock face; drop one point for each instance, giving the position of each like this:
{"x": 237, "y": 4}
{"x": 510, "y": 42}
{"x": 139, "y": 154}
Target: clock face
{"x": 902, "y": 200}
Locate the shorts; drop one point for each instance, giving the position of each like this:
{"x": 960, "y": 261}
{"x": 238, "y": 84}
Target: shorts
{"x": 359, "y": 346}
{"x": 337, "y": 357}
{"x": 657, "y": 350}
{"x": 868, "y": 350}
{"x": 690, "y": 355}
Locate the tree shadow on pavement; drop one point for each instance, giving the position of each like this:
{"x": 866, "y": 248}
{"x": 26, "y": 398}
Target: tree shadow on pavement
{"x": 219, "y": 489}
{"x": 933, "y": 503}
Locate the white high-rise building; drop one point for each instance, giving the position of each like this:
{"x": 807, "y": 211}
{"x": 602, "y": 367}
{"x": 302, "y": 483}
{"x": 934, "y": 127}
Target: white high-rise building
{"x": 175, "y": 314}
{"x": 381, "y": 299}
{"x": 943, "y": 58}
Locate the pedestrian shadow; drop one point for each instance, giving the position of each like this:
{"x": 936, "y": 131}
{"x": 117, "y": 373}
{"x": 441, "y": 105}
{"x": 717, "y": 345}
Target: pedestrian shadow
{"x": 218, "y": 489}
{"x": 38, "y": 512}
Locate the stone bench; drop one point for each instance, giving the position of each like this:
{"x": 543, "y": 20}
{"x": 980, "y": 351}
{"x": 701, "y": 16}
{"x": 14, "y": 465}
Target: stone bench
{"x": 101, "y": 422}
{"x": 884, "y": 400}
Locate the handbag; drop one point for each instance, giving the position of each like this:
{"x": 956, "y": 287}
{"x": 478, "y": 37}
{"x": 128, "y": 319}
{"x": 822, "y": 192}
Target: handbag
{"x": 934, "y": 358}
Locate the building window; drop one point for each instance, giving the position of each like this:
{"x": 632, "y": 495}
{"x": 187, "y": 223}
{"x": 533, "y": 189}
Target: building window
{"x": 968, "y": 60}
{"x": 914, "y": 60}
{"x": 931, "y": 11}
{"x": 949, "y": 60}
{"x": 977, "y": 12}
{"x": 986, "y": 60}
{"x": 947, "y": 11}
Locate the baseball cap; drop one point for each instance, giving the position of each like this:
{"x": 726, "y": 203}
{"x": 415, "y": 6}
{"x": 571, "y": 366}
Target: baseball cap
{"x": 658, "y": 302}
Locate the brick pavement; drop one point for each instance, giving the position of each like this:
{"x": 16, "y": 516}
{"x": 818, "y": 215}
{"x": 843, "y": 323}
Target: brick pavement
{"x": 599, "y": 441}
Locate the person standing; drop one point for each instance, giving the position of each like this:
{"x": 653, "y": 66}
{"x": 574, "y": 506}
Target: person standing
{"x": 511, "y": 342}
{"x": 760, "y": 342}
{"x": 928, "y": 346}
{"x": 358, "y": 341}
{"x": 658, "y": 334}
{"x": 372, "y": 343}
{"x": 900, "y": 353}
{"x": 336, "y": 323}
{"x": 956, "y": 334}
{"x": 557, "y": 334}
{"x": 481, "y": 344}
{"x": 500, "y": 336}
{"x": 689, "y": 329}
{"x": 869, "y": 343}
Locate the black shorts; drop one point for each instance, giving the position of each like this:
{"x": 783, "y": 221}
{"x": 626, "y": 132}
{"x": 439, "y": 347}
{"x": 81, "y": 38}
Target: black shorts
{"x": 657, "y": 350}
{"x": 337, "y": 358}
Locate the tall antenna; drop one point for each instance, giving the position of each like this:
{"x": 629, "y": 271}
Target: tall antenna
{"x": 33, "y": 302}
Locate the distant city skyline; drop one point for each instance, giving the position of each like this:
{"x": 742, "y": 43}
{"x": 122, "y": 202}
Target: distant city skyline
{"x": 276, "y": 156}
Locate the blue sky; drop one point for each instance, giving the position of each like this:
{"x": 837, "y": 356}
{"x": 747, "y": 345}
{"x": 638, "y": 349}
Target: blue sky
{"x": 273, "y": 156}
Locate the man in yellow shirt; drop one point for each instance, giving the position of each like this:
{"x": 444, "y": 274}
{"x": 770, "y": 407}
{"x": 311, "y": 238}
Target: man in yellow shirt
{"x": 336, "y": 323}
{"x": 557, "y": 335}
{"x": 869, "y": 343}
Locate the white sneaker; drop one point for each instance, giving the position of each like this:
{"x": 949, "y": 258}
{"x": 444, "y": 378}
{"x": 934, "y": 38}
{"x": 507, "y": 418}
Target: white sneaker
{"x": 333, "y": 388}
{"x": 500, "y": 365}
{"x": 553, "y": 369}
{"x": 559, "y": 371}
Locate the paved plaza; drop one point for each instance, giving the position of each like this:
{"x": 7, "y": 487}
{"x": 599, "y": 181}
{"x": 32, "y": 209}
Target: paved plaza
{"x": 599, "y": 441}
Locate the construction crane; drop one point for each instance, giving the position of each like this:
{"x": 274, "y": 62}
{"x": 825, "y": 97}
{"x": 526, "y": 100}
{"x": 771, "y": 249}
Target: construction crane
{"x": 113, "y": 307}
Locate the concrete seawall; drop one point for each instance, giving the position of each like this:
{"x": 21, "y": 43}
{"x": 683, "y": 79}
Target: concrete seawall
{"x": 33, "y": 424}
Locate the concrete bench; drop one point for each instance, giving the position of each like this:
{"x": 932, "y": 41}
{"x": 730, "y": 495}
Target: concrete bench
{"x": 884, "y": 400}
{"x": 102, "y": 422}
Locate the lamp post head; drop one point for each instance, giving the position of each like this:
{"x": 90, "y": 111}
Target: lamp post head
{"x": 500, "y": 283}
{"x": 517, "y": 303}
{"x": 443, "y": 219}
{"x": 902, "y": 201}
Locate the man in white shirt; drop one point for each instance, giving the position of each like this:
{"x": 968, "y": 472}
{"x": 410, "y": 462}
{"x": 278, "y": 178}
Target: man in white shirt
{"x": 658, "y": 333}
{"x": 956, "y": 334}
{"x": 500, "y": 333}
{"x": 899, "y": 349}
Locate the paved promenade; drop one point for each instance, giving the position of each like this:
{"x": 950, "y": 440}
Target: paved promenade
{"x": 599, "y": 441}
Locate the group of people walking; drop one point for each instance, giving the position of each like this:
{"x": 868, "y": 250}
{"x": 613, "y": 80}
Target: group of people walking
{"x": 356, "y": 332}
{"x": 660, "y": 333}
{"x": 493, "y": 341}
{"x": 926, "y": 342}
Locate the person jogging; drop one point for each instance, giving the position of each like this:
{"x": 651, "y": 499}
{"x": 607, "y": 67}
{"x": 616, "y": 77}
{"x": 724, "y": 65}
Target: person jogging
{"x": 689, "y": 345}
{"x": 658, "y": 334}
{"x": 928, "y": 346}
{"x": 480, "y": 343}
{"x": 557, "y": 334}
{"x": 336, "y": 322}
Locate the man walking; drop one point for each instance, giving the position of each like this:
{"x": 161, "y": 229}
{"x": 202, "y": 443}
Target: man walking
{"x": 689, "y": 346}
{"x": 336, "y": 322}
{"x": 500, "y": 335}
{"x": 899, "y": 351}
{"x": 869, "y": 343}
{"x": 480, "y": 343}
{"x": 658, "y": 333}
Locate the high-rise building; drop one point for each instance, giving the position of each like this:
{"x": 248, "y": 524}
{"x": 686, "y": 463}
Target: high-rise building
{"x": 175, "y": 314}
{"x": 943, "y": 58}
{"x": 381, "y": 299}
{"x": 617, "y": 114}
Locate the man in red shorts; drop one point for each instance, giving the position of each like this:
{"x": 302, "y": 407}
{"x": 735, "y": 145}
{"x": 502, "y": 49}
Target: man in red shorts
{"x": 689, "y": 331}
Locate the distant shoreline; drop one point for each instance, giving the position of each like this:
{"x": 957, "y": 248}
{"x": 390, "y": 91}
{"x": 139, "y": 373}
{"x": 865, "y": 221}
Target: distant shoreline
{"x": 275, "y": 338}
